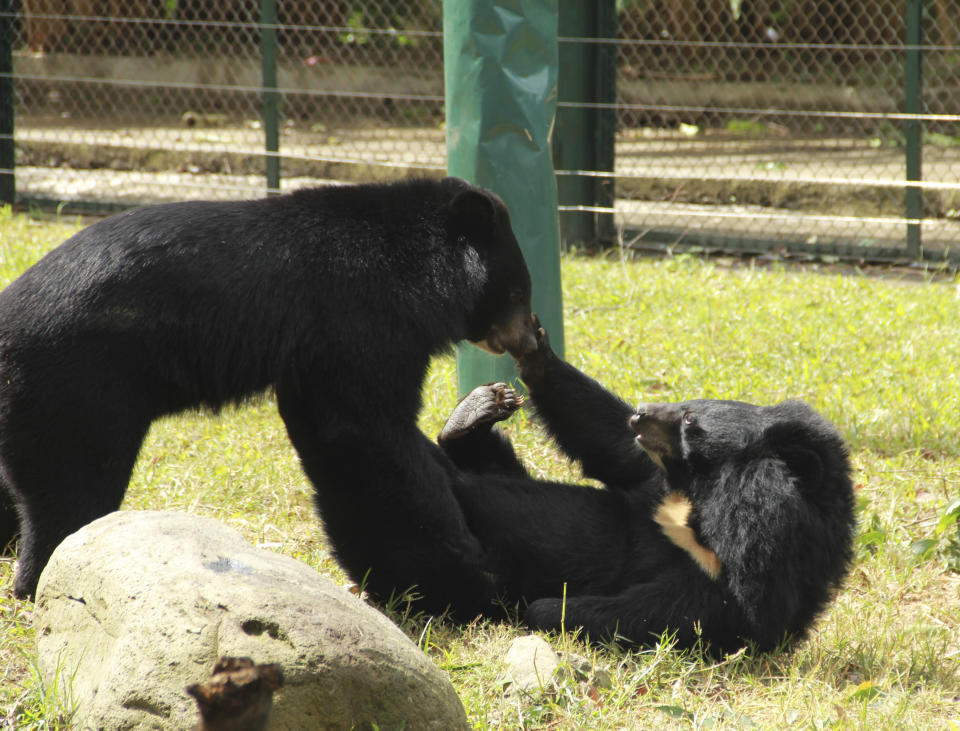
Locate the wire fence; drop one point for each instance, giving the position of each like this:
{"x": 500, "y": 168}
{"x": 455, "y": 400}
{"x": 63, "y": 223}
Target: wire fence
{"x": 165, "y": 101}
{"x": 767, "y": 125}
{"x": 791, "y": 123}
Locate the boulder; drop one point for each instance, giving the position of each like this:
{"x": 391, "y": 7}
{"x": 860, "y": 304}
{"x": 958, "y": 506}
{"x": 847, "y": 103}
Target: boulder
{"x": 136, "y": 606}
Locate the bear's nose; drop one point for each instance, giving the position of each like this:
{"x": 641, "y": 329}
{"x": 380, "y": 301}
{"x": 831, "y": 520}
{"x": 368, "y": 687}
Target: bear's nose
{"x": 664, "y": 413}
{"x": 638, "y": 418}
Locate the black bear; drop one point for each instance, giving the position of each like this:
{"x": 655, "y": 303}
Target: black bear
{"x": 719, "y": 521}
{"x": 201, "y": 304}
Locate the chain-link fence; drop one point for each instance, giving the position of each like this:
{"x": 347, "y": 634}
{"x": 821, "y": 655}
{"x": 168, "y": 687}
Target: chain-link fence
{"x": 763, "y": 125}
{"x": 758, "y": 124}
{"x": 131, "y": 101}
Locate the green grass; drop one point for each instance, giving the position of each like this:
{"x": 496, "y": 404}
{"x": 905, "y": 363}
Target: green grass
{"x": 877, "y": 353}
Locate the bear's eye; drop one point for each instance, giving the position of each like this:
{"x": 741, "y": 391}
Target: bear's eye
{"x": 516, "y": 295}
{"x": 689, "y": 418}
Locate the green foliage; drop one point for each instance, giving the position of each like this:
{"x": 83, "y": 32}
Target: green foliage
{"x": 939, "y": 139}
{"x": 945, "y": 542}
{"x": 751, "y": 127}
{"x": 875, "y": 351}
{"x": 396, "y": 17}
{"x": 46, "y": 706}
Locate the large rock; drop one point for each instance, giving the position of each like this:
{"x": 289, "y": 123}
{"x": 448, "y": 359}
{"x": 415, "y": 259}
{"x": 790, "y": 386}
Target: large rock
{"x": 137, "y": 605}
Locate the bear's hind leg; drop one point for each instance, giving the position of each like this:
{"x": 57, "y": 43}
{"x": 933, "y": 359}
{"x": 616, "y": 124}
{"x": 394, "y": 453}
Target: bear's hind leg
{"x": 384, "y": 493}
{"x": 58, "y": 492}
{"x": 9, "y": 522}
{"x": 469, "y": 439}
{"x": 482, "y": 407}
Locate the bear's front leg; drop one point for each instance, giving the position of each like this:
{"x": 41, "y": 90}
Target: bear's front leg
{"x": 684, "y": 603}
{"x": 599, "y": 618}
{"x": 588, "y": 422}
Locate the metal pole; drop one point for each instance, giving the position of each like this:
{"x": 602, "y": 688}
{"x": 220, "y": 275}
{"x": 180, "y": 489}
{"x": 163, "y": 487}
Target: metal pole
{"x": 605, "y": 118}
{"x": 8, "y": 190}
{"x": 913, "y": 127}
{"x": 500, "y": 70}
{"x": 271, "y": 126}
{"x": 585, "y": 133}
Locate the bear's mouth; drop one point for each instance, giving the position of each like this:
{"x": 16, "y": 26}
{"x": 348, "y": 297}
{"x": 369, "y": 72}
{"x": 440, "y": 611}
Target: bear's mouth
{"x": 651, "y": 445}
{"x": 656, "y": 427}
{"x": 655, "y": 449}
{"x": 519, "y": 337}
{"x": 491, "y": 344}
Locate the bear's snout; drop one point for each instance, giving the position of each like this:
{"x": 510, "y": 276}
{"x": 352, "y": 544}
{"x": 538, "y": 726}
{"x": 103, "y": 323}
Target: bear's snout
{"x": 657, "y": 427}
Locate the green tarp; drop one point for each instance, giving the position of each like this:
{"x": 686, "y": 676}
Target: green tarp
{"x": 500, "y": 67}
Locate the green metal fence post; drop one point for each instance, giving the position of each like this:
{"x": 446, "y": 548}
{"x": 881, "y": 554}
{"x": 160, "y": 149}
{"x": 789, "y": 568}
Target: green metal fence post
{"x": 605, "y": 117}
{"x": 8, "y": 190}
{"x": 500, "y": 70}
{"x": 271, "y": 125}
{"x": 586, "y": 120}
{"x": 913, "y": 128}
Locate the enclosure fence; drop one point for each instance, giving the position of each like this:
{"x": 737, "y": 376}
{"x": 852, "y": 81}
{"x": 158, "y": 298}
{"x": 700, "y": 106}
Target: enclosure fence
{"x": 786, "y": 126}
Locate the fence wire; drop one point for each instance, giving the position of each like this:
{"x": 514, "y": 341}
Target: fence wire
{"x": 785, "y": 122}
{"x": 764, "y": 121}
{"x": 163, "y": 101}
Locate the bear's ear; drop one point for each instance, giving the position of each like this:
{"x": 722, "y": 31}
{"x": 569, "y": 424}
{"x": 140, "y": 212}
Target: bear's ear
{"x": 793, "y": 443}
{"x": 473, "y": 212}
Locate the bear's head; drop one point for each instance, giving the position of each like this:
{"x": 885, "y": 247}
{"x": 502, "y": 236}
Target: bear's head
{"x": 696, "y": 437}
{"x": 499, "y": 319}
{"x": 696, "y": 442}
{"x": 771, "y": 495}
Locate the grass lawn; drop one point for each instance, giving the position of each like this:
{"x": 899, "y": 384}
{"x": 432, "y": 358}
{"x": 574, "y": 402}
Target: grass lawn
{"x": 878, "y": 354}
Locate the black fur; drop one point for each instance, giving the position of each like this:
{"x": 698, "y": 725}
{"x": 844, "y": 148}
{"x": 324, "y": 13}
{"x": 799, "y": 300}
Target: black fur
{"x": 168, "y": 307}
{"x": 771, "y": 498}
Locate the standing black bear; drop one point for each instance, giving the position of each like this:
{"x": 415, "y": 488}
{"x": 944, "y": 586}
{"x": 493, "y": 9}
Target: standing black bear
{"x": 202, "y": 304}
{"x": 729, "y": 522}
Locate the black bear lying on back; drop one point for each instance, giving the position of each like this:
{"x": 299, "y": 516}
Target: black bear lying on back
{"x": 201, "y": 304}
{"x": 729, "y": 522}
